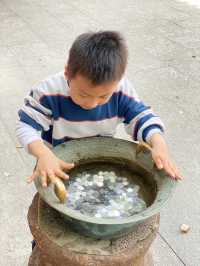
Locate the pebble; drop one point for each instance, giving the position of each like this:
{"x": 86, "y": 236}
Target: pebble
{"x": 104, "y": 195}
{"x": 114, "y": 213}
{"x": 99, "y": 184}
{"x": 98, "y": 215}
{"x": 6, "y": 174}
{"x": 184, "y": 228}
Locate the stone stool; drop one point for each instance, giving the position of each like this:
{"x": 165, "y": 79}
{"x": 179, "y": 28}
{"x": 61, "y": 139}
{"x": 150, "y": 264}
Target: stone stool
{"x": 57, "y": 245}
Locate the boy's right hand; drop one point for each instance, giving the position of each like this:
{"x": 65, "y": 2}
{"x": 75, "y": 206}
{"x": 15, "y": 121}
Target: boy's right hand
{"x": 49, "y": 167}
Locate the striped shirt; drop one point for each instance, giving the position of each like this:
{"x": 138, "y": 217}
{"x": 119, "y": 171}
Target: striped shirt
{"x": 50, "y": 114}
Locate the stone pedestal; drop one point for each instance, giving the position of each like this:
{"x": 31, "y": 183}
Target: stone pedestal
{"x": 57, "y": 245}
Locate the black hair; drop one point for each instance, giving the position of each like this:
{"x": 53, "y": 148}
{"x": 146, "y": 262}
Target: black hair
{"x": 101, "y": 57}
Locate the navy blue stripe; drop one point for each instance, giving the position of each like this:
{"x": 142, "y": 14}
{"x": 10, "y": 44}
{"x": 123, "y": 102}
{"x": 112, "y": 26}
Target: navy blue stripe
{"x": 119, "y": 105}
{"x": 28, "y": 120}
{"x": 47, "y": 135}
{"x": 37, "y": 109}
{"x": 139, "y": 124}
{"x": 129, "y": 108}
{"x": 62, "y": 106}
{"x": 149, "y": 128}
{"x": 56, "y": 142}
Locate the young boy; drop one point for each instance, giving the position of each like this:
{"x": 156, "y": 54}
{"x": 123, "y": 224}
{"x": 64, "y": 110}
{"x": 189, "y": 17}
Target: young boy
{"x": 90, "y": 98}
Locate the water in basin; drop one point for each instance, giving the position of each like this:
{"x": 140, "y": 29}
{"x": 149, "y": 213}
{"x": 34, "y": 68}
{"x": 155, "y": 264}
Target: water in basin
{"x": 104, "y": 191}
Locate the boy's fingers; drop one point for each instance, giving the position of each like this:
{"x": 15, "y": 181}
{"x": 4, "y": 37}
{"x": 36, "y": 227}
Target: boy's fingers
{"x": 66, "y": 166}
{"x": 170, "y": 170}
{"x": 169, "y": 167}
{"x": 176, "y": 172}
{"x": 179, "y": 176}
{"x": 52, "y": 177}
{"x": 61, "y": 174}
{"x": 159, "y": 163}
{"x": 32, "y": 177}
{"x": 44, "y": 178}
{"x": 166, "y": 166}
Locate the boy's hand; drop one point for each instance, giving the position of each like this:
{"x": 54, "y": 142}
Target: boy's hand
{"x": 161, "y": 156}
{"x": 48, "y": 165}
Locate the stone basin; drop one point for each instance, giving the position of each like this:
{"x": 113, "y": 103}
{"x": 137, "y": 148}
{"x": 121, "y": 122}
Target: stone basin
{"x": 120, "y": 155}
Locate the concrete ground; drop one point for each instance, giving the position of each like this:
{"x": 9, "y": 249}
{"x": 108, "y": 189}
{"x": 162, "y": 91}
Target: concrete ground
{"x": 164, "y": 64}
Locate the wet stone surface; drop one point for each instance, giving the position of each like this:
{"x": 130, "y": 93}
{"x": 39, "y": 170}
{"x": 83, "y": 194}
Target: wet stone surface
{"x": 104, "y": 195}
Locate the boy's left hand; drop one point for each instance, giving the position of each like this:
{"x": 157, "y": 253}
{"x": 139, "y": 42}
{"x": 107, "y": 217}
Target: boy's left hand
{"x": 161, "y": 157}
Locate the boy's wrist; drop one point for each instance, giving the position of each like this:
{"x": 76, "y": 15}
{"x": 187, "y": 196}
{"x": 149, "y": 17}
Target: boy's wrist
{"x": 157, "y": 139}
{"x": 151, "y": 133}
{"x": 39, "y": 149}
{"x": 42, "y": 153}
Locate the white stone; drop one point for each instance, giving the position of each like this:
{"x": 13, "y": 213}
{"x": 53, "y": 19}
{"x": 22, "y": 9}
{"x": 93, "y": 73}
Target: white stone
{"x": 99, "y": 184}
{"x": 6, "y": 174}
{"x": 114, "y": 213}
{"x": 185, "y": 228}
{"x": 98, "y": 215}
{"x": 112, "y": 173}
{"x": 100, "y": 173}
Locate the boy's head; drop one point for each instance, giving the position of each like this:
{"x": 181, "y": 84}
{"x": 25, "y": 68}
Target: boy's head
{"x": 96, "y": 63}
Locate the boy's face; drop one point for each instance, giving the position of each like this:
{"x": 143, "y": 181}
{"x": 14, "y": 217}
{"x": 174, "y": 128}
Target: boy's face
{"x": 88, "y": 96}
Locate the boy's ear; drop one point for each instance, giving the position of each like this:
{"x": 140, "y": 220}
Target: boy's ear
{"x": 66, "y": 72}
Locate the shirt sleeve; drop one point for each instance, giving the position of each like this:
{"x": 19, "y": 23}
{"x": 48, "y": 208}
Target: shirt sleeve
{"x": 26, "y": 134}
{"x": 33, "y": 118}
{"x": 139, "y": 119}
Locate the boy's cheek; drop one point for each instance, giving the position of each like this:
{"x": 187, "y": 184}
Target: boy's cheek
{"x": 73, "y": 97}
{"x": 79, "y": 102}
{"x": 75, "y": 100}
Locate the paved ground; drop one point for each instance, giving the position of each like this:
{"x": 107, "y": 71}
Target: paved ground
{"x": 164, "y": 41}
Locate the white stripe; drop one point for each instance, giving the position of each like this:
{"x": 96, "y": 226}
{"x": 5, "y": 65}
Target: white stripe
{"x": 151, "y": 132}
{"x": 26, "y": 134}
{"x": 151, "y": 121}
{"x": 130, "y": 127}
{"x": 126, "y": 87}
{"x": 38, "y": 117}
{"x": 63, "y": 128}
{"x": 35, "y": 103}
{"x": 51, "y": 85}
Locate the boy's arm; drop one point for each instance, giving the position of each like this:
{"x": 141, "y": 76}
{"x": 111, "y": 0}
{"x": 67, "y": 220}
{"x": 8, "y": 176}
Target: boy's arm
{"x": 161, "y": 156}
{"x": 143, "y": 125}
{"x": 35, "y": 118}
{"x": 48, "y": 165}
{"x": 139, "y": 119}
{"x": 26, "y": 134}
